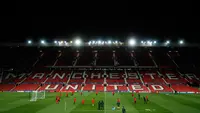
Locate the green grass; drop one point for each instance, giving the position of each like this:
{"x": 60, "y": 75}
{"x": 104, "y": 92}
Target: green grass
{"x": 159, "y": 103}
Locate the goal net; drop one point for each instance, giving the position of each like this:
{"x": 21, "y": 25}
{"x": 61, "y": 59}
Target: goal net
{"x": 35, "y": 95}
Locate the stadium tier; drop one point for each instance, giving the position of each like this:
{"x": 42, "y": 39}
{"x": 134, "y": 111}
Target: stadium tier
{"x": 100, "y": 69}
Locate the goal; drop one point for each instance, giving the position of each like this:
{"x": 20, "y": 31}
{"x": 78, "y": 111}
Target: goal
{"x": 35, "y": 95}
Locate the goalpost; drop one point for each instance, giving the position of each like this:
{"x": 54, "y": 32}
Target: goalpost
{"x": 35, "y": 95}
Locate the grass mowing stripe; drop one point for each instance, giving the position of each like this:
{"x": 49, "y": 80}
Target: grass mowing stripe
{"x": 143, "y": 108}
{"x": 159, "y": 103}
{"x": 87, "y": 107}
{"x": 185, "y": 101}
{"x": 128, "y": 103}
{"x": 188, "y": 97}
{"x": 171, "y": 104}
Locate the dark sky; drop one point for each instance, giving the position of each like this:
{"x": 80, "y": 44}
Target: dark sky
{"x": 163, "y": 21}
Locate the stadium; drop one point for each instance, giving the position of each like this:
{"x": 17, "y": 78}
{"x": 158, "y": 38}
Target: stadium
{"x": 34, "y": 74}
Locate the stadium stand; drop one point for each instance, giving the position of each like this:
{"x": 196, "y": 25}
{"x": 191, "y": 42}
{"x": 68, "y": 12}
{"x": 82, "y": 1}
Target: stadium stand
{"x": 100, "y": 69}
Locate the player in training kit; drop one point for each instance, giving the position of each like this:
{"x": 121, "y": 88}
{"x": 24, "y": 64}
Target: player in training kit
{"x": 147, "y": 99}
{"x": 123, "y": 110}
{"x": 74, "y": 100}
{"x": 102, "y": 105}
{"x": 135, "y": 100}
{"x": 93, "y": 102}
{"x": 139, "y": 95}
{"x": 99, "y": 105}
{"x": 113, "y": 93}
{"x": 118, "y": 102}
{"x": 57, "y": 99}
{"x": 113, "y": 108}
{"x": 83, "y": 102}
{"x": 132, "y": 94}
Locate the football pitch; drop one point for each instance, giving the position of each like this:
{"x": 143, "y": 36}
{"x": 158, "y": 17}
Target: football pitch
{"x": 158, "y": 103}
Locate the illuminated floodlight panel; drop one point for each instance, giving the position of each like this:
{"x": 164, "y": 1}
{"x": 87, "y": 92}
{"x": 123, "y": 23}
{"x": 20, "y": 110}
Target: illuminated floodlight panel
{"x": 132, "y": 42}
{"x": 167, "y": 42}
{"x": 77, "y": 42}
{"x": 29, "y": 42}
{"x": 181, "y": 42}
{"x": 93, "y": 42}
{"x": 99, "y": 42}
{"x": 42, "y": 42}
{"x": 109, "y": 42}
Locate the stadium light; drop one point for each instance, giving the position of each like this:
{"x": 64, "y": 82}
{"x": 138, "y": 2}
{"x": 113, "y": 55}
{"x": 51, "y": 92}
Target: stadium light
{"x": 154, "y": 42}
{"x": 132, "y": 42}
{"x": 142, "y": 42}
{"x": 99, "y": 42}
{"x": 55, "y": 42}
{"x": 167, "y": 42}
{"x": 29, "y": 42}
{"x": 109, "y": 42}
{"x": 149, "y": 43}
{"x": 42, "y": 42}
{"x": 78, "y": 42}
{"x": 65, "y": 42}
{"x": 93, "y": 42}
{"x": 89, "y": 43}
{"x": 181, "y": 42}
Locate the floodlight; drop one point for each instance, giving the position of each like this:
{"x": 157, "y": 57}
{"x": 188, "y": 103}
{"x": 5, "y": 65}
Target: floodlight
{"x": 77, "y": 42}
{"x": 167, "y": 42}
{"x": 42, "y": 42}
{"x": 93, "y": 42}
{"x": 142, "y": 42}
{"x": 149, "y": 43}
{"x": 29, "y": 41}
{"x": 116, "y": 42}
{"x": 71, "y": 42}
{"x": 65, "y": 42}
{"x": 181, "y": 42}
{"x": 132, "y": 42}
{"x": 154, "y": 42}
{"x": 99, "y": 42}
{"x": 55, "y": 42}
{"x": 109, "y": 42}
{"x": 89, "y": 43}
